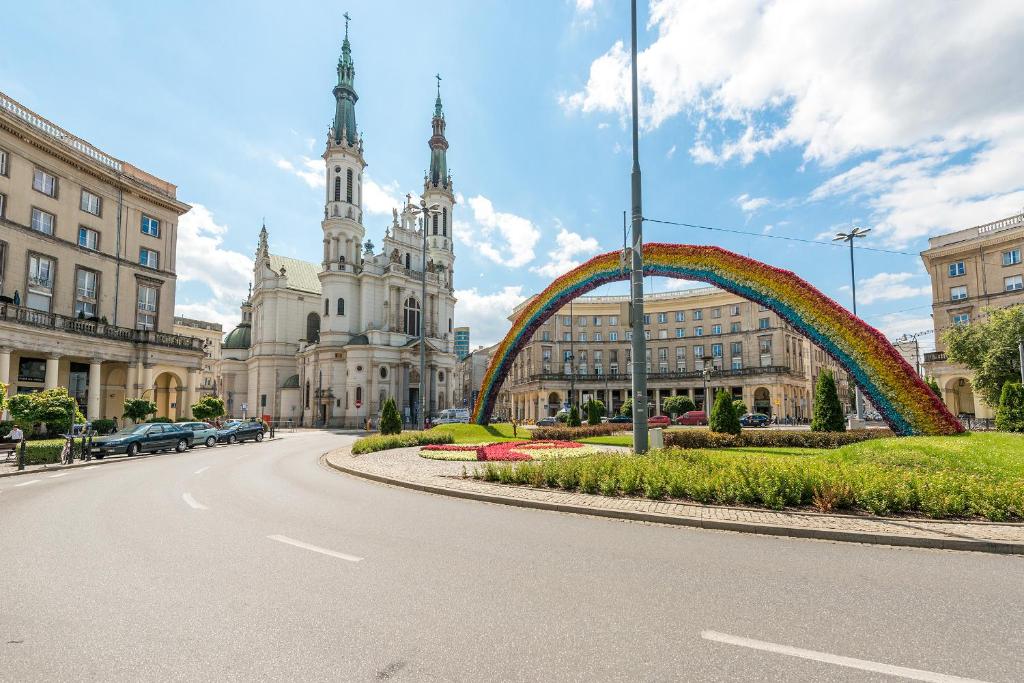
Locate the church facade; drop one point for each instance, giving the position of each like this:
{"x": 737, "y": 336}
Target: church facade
{"x": 327, "y": 344}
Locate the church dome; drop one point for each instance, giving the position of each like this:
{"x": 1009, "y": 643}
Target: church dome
{"x": 239, "y": 338}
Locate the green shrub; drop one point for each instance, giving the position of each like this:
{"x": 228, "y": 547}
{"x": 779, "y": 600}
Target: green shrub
{"x": 43, "y": 451}
{"x": 136, "y": 409}
{"x": 573, "y": 433}
{"x": 723, "y": 418}
{"x": 390, "y": 420}
{"x": 562, "y": 416}
{"x": 53, "y": 408}
{"x": 828, "y": 412}
{"x": 5, "y": 425}
{"x": 1010, "y": 414}
{"x": 383, "y": 442}
{"x": 208, "y": 407}
{"x": 626, "y": 408}
{"x": 769, "y": 438}
{"x": 163, "y": 420}
{"x": 677, "y": 405}
{"x": 574, "y": 417}
{"x": 739, "y": 407}
{"x": 104, "y": 426}
{"x": 595, "y": 409}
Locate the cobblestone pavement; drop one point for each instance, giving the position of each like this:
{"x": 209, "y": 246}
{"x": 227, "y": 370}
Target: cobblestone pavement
{"x": 405, "y": 466}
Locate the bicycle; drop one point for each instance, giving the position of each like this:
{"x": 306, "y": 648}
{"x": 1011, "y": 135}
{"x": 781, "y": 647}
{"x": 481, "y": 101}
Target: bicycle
{"x": 67, "y": 455}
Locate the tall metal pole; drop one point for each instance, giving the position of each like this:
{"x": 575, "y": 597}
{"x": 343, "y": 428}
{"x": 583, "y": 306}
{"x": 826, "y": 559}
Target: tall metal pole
{"x": 1022, "y": 361}
{"x": 637, "y": 269}
{"x": 423, "y": 327}
{"x": 858, "y": 401}
{"x": 572, "y": 358}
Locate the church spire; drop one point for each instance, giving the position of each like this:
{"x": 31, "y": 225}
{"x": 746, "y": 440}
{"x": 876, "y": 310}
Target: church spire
{"x": 345, "y": 94}
{"x": 438, "y": 174}
{"x": 263, "y": 249}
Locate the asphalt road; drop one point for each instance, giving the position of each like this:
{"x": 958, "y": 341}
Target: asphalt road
{"x": 255, "y": 562}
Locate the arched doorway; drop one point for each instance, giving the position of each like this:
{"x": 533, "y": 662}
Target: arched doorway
{"x": 960, "y": 396}
{"x": 168, "y": 395}
{"x": 554, "y": 403}
{"x": 762, "y": 401}
{"x": 883, "y": 375}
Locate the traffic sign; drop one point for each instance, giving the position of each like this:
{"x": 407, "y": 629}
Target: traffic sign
{"x": 359, "y": 404}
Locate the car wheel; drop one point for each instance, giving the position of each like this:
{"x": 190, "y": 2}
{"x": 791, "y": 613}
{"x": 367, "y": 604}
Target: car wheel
{"x": 98, "y": 456}
{"x": 232, "y": 439}
{"x": 133, "y": 449}
{"x": 211, "y": 441}
{"x": 259, "y": 436}
{"x": 181, "y": 446}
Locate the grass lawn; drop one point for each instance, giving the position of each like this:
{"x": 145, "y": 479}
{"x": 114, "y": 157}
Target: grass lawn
{"x": 474, "y": 433}
{"x": 970, "y": 476}
{"x": 613, "y": 440}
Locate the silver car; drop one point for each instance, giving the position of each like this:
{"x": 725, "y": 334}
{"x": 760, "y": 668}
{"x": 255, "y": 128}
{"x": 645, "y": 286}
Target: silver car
{"x": 202, "y": 432}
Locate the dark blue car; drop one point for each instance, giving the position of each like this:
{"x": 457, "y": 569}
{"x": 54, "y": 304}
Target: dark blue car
{"x": 142, "y": 438}
{"x": 235, "y": 432}
{"x": 754, "y": 420}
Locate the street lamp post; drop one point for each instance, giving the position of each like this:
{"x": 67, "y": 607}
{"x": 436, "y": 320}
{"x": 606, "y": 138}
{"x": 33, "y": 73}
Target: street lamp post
{"x": 425, "y": 212}
{"x": 708, "y": 369}
{"x": 850, "y": 237}
{"x": 1021, "y": 349}
{"x": 636, "y": 277}
{"x": 572, "y": 359}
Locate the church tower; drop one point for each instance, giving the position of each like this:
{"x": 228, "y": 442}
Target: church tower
{"x": 438, "y": 189}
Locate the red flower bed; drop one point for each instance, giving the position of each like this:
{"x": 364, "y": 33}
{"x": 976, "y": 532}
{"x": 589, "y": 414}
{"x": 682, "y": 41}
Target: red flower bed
{"x": 512, "y": 450}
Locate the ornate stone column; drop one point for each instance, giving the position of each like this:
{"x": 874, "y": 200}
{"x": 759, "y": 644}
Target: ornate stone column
{"x": 191, "y": 397}
{"x": 95, "y": 394}
{"x": 147, "y": 383}
{"x": 52, "y": 364}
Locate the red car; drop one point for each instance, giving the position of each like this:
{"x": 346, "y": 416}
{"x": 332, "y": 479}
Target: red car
{"x": 693, "y": 417}
{"x": 658, "y": 421}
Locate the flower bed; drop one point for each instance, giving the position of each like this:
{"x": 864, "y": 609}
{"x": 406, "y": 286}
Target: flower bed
{"x": 508, "y": 451}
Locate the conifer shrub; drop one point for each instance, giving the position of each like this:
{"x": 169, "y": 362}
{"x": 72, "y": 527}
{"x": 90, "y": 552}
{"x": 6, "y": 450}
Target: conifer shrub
{"x": 574, "y": 417}
{"x": 724, "y": 419}
{"x": 828, "y": 412}
{"x": 1010, "y": 414}
{"x": 390, "y": 420}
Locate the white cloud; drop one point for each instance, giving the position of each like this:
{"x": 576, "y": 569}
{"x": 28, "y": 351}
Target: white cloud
{"x": 380, "y": 199}
{"x": 933, "y": 113}
{"x": 486, "y": 314}
{"x": 311, "y": 171}
{"x": 671, "y": 152}
{"x": 896, "y": 325}
{"x": 750, "y": 204}
{"x": 202, "y": 258}
{"x": 562, "y": 258}
{"x": 504, "y": 238}
{"x": 888, "y": 287}
{"x": 584, "y": 5}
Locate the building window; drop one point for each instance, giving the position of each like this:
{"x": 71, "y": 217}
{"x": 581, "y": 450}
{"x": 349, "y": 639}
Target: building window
{"x": 647, "y": 335}
{"x": 327, "y": 307}
{"x": 91, "y": 203}
{"x": 698, "y": 331}
{"x": 1011, "y": 258}
{"x": 567, "y": 336}
{"x": 647, "y": 318}
{"x": 680, "y": 316}
{"x": 583, "y": 336}
{"x": 663, "y": 317}
{"x": 408, "y": 261}
{"x": 312, "y": 328}
{"x": 1013, "y": 283}
{"x": 613, "y": 320}
{"x": 44, "y": 182}
{"x": 961, "y": 318}
{"x": 597, "y": 336}
{"x": 3, "y": 162}
{"x": 763, "y": 323}
{"x": 149, "y": 258}
{"x": 3, "y": 204}
{"x": 85, "y": 293}
{"x": 734, "y": 309}
{"x": 566, "y": 320}
{"x": 716, "y": 329}
{"x": 734, "y": 327}
{"x": 146, "y": 315}
{"x": 88, "y": 238}
{"x": 736, "y": 364}
{"x": 583, "y": 321}
{"x": 444, "y": 222}
{"x": 736, "y": 348}
{"x": 958, "y": 293}
{"x": 716, "y": 312}
{"x": 662, "y": 334}
{"x": 43, "y": 221}
{"x": 337, "y": 188}
{"x": 150, "y": 226}
{"x": 545, "y": 336}
{"x": 3, "y": 263}
{"x": 412, "y": 316}
{"x": 341, "y": 310}
{"x": 41, "y": 270}
{"x": 597, "y": 321}
{"x": 680, "y": 333}
{"x": 613, "y": 336}
{"x": 348, "y": 186}
{"x": 957, "y": 269}
{"x": 698, "y": 315}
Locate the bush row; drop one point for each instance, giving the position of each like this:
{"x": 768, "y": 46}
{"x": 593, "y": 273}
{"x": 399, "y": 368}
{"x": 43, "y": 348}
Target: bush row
{"x": 383, "y": 442}
{"x": 702, "y": 438}
{"x": 563, "y": 433}
{"x": 825, "y": 483}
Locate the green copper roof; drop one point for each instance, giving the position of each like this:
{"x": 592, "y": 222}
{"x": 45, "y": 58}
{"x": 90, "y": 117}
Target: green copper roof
{"x": 345, "y": 94}
{"x": 300, "y": 275}
{"x": 239, "y": 338}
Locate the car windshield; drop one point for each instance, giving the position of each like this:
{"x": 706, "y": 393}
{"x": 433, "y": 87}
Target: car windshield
{"x": 133, "y": 429}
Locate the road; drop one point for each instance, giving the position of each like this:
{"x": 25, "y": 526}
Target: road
{"x": 256, "y": 562}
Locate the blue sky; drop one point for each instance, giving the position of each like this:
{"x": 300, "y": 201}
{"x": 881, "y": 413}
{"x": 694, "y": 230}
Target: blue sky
{"x": 780, "y": 118}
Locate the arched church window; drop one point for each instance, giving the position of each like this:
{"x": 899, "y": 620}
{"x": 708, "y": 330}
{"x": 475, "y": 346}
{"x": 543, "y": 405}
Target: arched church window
{"x": 435, "y": 224}
{"x": 312, "y": 328}
{"x": 327, "y": 306}
{"x": 307, "y": 393}
{"x": 337, "y": 188}
{"x": 407, "y": 261}
{"x": 341, "y": 306}
{"x": 412, "y": 316}
{"x": 449, "y": 324}
{"x": 444, "y": 221}
{"x": 359, "y": 394}
{"x": 348, "y": 176}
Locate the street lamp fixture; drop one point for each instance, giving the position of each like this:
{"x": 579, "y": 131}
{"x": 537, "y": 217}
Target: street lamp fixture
{"x": 708, "y": 370}
{"x": 849, "y": 237}
{"x": 425, "y": 212}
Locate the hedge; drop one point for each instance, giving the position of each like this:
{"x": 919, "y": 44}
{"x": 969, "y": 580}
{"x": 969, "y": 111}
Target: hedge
{"x": 383, "y": 442}
{"x": 44, "y": 451}
{"x": 573, "y": 433}
{"x": 702, "y": 438}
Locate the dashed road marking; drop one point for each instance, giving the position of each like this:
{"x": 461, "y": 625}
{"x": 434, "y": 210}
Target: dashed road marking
{"x": 30, "y": 481}
{"x": 59, "y": 474}
{"x": 314, "y": 548}
{"x": 192, "y": 502}
{"x": 201, "y": 470}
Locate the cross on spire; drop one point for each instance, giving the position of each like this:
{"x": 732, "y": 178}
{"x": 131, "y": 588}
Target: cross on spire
{"x": 438, "y": 77}
{"x": 347, "y": 19}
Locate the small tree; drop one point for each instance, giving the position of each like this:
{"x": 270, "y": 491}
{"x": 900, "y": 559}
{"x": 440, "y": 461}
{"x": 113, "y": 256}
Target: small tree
{"x": 208, "y": 408}
{"x": 828, "y": 412}
{"x": 626, "y": 408}
{"x": 390, "y": 420}
{"x": 934, "y": 386}
{"x": 595, "y": 409}
{"x": 574, "y": 417}
{"x": 52, "y": 407}
{"x": 677, "y": 405}
{"x": 1010, "y": 415}
{"x": 723, "y": 416}
{"x": 989, "y": 347}
{"x": 739, "y": 407}
{"x": 3, "y": 397}
{"x": 136, "y": 409}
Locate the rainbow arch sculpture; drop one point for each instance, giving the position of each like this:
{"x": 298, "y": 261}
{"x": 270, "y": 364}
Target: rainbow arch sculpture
{"x": 906, "y": 403}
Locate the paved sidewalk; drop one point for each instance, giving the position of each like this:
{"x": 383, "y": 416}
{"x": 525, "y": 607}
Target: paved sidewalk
{"x": 404, "y": 467}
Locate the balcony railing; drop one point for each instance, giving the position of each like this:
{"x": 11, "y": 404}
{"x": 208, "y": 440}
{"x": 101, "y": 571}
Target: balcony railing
{"x": 693, "y": 375}
{"x": 54, "y": 321}
{"x": 935, "y": 357}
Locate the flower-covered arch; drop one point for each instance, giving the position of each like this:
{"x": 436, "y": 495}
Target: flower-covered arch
{"x": 906, "y": 403}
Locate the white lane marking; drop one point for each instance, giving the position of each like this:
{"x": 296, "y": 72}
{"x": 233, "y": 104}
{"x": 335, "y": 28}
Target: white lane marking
{"x": 90, "y": 467}
{"x": 838, "y": 660}
{"x": 201, "y": 470}
{"x": 314, "y": 548}
{"x": 59, "y": 474}
{"x": 30, "y": 481}
{"x": 192, "y": 502}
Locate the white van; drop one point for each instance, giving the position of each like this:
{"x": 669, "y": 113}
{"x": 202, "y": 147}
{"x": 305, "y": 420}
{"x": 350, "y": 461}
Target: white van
{"x": 451, "y": 416}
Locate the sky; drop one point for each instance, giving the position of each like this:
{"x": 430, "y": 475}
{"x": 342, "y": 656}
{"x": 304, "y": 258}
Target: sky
{"x": 781, "y": 119}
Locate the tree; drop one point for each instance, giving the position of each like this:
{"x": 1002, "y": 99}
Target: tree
{"x": 390, "y": 420}
{"x": 677, "y": 405}
{"x": 574, "y": 417}
{"x": 828, "y": 412}
{"x": 626, "y": 408}
{"x": 208, "y": 408}
{"x": 934, "y": 386}
{"x": 990, "y": 348}
{"x": 52, "y": 407}
{"x": 739, "y": 407}
{"x": 1010, "y": 415}
{"x": 136, "y": 409}
{"x": 3, "y": 397}
{"x": 723, "y": 416}
{"x": 595, "y": 409}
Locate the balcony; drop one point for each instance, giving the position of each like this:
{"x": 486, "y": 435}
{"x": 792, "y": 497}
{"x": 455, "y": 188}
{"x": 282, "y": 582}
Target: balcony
{"x": 53, "y": 321}
{"x": 692, "y": 375}
{"x": 935, "y": 357}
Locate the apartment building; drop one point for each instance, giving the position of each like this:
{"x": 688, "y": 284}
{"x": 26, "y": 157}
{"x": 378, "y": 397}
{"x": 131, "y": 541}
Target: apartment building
{"x": 87, "y": 273}
{"x": 749, "y": 351}
{"x": 971, "y": 270}
{"x": 211, "y": 335}
{"x": 468, "y": 375}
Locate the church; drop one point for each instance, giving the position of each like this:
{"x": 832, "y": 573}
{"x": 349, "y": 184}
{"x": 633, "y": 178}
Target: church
{"x": 326, "y": 344}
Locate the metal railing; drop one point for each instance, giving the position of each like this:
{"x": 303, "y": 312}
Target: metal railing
{"x": 935, "y": 357}
{"x": 663, "y": 376}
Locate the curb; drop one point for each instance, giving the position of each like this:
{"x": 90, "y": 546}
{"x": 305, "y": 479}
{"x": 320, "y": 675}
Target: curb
{"x": 995, "y": 547}
{"x": 94, "y": 461}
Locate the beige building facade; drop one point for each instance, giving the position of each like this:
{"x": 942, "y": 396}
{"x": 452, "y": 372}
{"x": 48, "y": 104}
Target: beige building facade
{"x": 87, "y": 273}
{"x": 585, "y": 351}
{"x": 971, "y": 270}
{"x": 211, "y": 335}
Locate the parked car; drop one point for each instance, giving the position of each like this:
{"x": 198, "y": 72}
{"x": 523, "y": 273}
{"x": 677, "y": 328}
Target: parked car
{"x": 755, "y": 420}
{"x": 143, "y": 438}
{"x": 692, "y": 417}
{"x": 202, "y": 432}
{"x": 658, "y": 421}
{"x": 547, "y": 422}
{"x": 620, "y": 419}
{"x": 240, "y": 431}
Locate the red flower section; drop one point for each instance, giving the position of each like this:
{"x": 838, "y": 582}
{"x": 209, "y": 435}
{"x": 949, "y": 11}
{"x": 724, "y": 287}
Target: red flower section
{"x": 513, "y": 450}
